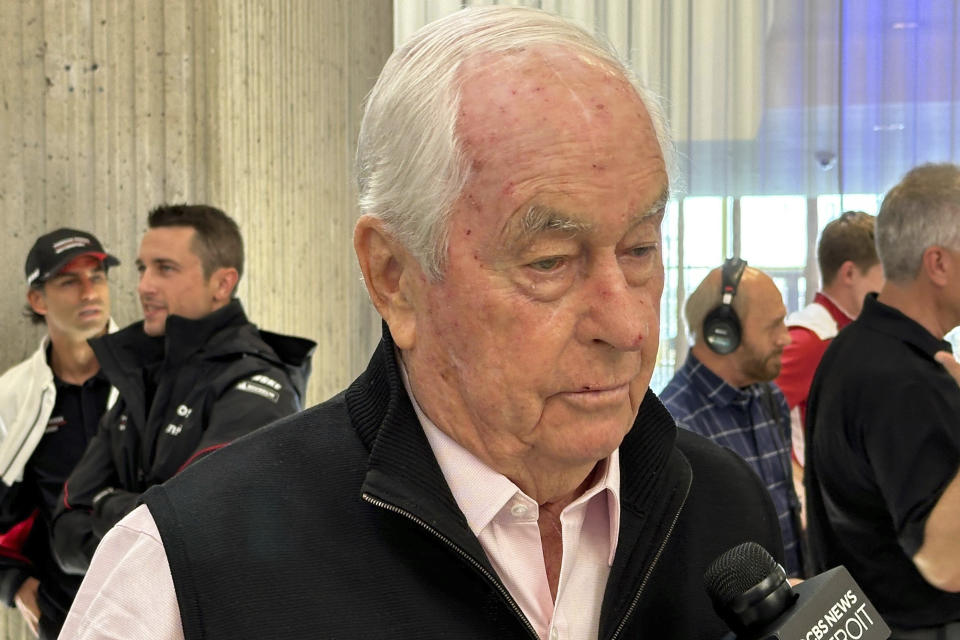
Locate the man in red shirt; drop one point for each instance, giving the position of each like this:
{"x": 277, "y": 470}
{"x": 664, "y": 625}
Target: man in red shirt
{"x": 849, "y": 269}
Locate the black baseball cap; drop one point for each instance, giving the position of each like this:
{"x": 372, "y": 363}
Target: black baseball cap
{"x": 53, "y": 251}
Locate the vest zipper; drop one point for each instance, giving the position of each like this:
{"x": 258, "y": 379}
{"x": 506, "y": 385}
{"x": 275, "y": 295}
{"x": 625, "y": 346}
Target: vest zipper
{"x": 463, "y": 554}
{"x": 656, "y": 558}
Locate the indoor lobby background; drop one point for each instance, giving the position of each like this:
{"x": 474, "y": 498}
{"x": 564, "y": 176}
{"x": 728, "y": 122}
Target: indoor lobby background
{"x": 784, "y": 112}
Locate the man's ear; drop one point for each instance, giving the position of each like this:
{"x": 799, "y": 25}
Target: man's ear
{"x": 939, "y": 265}
{"x": 36, "y": 300}
{"x": 847, "y": 272}
{"x": 223, "y": 281}
{"x": 390, "y": 273}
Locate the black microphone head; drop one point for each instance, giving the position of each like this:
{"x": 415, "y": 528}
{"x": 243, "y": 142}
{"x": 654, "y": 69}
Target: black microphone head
{"x": 738, "y": 569}
{"x": 748, "y": 587}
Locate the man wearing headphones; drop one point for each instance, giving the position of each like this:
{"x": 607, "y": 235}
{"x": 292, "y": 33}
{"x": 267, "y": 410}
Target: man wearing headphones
{"x": 723, "y": 391}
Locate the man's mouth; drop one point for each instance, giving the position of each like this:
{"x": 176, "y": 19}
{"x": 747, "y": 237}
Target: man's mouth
{"x": 598, "y": 395}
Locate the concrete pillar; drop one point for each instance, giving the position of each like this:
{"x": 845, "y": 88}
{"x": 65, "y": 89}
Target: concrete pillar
{"x": 111, "y": 107}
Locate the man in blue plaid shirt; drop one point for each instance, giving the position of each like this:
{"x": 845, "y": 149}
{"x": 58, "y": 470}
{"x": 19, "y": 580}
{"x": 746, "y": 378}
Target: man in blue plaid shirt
{"x": 730, "y": 399}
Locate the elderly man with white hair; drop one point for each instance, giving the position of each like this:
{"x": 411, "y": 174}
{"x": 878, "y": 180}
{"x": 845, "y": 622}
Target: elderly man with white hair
{"x": 501, "y": 469}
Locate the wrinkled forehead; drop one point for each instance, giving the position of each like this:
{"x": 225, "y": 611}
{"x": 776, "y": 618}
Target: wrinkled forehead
{"x": 549, "y": 120}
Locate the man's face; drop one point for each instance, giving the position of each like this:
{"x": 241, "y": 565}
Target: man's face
{"x": 171, "y": 279}
{"x": 76, "y": 301}
{"x": 870, "y": 281}
{"x": 541, "y": 338}
{"x": 764, "y": 333}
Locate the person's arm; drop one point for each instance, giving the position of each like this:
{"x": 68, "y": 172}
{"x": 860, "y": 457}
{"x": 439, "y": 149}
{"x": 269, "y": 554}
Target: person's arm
{"x": 128, "y": 591}
{"x": 26, "y": 601}
{"x": 15, "y": 568}
{"x": 18, "y": 582}
{"x": 799, "y": 363}
{"x": 77, "y": 525}
{"x": 938, "y": 559}
{"x": 246, "y": 405}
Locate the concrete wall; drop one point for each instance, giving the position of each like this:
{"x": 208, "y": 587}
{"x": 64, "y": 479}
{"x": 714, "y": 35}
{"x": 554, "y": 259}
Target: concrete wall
{"x": 111, "y": 107}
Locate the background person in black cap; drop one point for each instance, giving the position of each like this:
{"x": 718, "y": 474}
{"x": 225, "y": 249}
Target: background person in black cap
{"x": 193, "y": 375}
{"x": 50, "y": 405}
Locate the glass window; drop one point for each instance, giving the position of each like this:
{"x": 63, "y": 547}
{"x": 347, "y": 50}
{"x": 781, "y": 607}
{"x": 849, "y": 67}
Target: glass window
{"x": 829, "y": 207}
{"x": 702, "y": 232}
{"x": 773, "y": 231}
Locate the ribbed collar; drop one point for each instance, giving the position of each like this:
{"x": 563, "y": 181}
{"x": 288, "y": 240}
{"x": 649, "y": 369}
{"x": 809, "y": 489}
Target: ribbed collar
{"x": 654, "y": 477}
{"x": 403, "y": 469}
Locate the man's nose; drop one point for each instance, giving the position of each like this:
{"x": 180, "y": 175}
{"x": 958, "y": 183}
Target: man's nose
{"x": 785, "y": 338}
{"x": 617, "y": 312}
{"x": 88, "y": 290}
{"x": 145, "y": 284}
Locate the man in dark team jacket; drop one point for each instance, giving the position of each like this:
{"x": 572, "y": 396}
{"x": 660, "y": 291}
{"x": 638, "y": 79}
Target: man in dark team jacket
{"x": 192, "y": 376}
{"x": 501, "y": 469}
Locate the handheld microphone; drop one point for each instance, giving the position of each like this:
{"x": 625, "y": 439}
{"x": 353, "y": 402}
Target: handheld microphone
{"x": 750, "y": 592}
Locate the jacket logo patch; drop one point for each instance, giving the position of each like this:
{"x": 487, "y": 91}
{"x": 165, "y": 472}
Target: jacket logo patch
{"x": 267, "y": 381}
{"x": 54, "y": 424}
{"x": 184, "y": 411}
{"x": 258, "y": 390}
{"x": 173, "y": 429}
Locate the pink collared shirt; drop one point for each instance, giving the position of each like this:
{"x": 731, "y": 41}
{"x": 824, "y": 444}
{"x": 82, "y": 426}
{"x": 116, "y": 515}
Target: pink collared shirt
{"x": 128, "y": 591}
{"x": 504, "y": 519}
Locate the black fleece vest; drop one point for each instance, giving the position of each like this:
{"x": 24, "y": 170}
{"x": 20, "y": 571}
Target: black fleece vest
{"x": 336, "y": 523}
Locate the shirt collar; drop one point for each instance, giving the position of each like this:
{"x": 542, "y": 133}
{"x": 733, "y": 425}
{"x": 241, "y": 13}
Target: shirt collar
{"x": 713, "y": 386}
{"x": 895, "y": 323}
{"x": 838, "y": 313}
{"x": 481, "y": 493}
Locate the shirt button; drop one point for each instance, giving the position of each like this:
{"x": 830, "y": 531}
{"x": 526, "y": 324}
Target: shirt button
{"x": 554, "y": 634}
{"x": 518, "y": 510}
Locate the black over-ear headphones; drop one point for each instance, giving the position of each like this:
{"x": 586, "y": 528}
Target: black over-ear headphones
{"x": 721, "y": 327}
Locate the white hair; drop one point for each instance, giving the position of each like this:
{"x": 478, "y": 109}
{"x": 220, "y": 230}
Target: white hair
{"x": 921, "y": 211}
{"x": 411, "y": 166}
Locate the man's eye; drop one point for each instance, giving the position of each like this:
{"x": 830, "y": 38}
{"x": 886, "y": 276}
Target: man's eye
{"x": 547, "y": 264}
{"x": 643, "y": 250}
